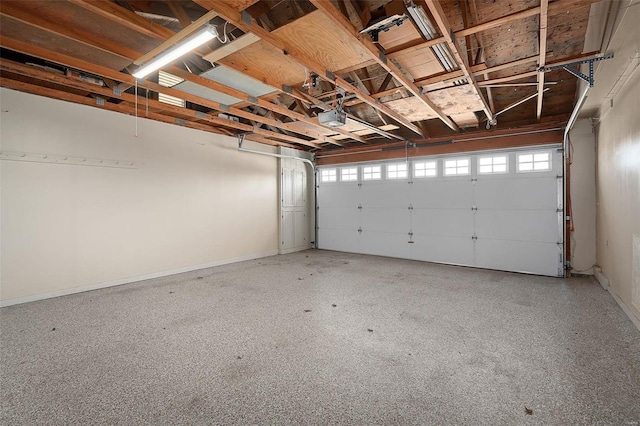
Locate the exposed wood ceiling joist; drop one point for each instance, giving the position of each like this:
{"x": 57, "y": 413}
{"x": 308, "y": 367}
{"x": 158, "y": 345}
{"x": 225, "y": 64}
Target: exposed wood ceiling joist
{"x": 354, "y": 37}
{"x": 458, "y": 54}
{"x": 544, "y": 9}
{"x": 236, "y": 18}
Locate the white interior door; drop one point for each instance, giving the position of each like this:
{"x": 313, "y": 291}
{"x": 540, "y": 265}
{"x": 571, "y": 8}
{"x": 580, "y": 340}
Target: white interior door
{"x": 506, "y": 216}
{"x": 294, "y": 221}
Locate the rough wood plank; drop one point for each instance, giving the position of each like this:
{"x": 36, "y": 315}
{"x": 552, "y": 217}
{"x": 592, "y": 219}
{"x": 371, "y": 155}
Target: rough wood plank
{"x": 443, "y": 25}
{"x": 300, "y": 56}
{"x": 179, "y": 12}
{"x": 315, "y": 130}
{"x": 448, "y": 100}
{"x": 544, "y": 7}
{"x": 176, "y": 38}
{"x": 70, "y": 82}
{"x": 347, "y": 29}
{"x": 125, "y": 17}
{"x": 23, "y": 11}
{"x": 315, "y": 34}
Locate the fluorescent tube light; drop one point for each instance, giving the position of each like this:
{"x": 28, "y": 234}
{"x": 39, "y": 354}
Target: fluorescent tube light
{"x": 204, "y": 35}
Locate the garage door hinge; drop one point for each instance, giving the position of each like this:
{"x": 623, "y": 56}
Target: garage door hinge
{"x": 559, "y": 177}
{"x": 474, "y": 180}
{"x": 359, "y": 206}
{"x": 410, "y": 206}
{"x": 474, "y": 237}
{"x": 558, "y": 210}
{"x": 360, "y": 230}
{"x": 474, "y": 208}
{"x": 359, "y": 185}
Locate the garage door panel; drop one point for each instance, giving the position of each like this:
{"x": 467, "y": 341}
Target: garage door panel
{"x": 396, "y": 194}
{"x": 532, "y": 193}
{"x": 338, "y": 195}
{"x": 519, "y": 225}
{"x": 388, "y": 220}
{"x": 339, "y": 218}
{"x": 507, "y": 221}
{"x": 444, "y": 249}
{"x": 519, "y": 256}
{"x": 386, "y": 244}
{"x": 442, "y": 222}
{"x": 339, "y": 240}
{"x": 442, "y": 193}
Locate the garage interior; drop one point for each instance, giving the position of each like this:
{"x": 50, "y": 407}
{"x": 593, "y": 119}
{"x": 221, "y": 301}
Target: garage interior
{"x": 315, "y": 211}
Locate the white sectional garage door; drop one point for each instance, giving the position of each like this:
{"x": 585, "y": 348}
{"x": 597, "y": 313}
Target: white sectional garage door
{"x": 498, "y": 210}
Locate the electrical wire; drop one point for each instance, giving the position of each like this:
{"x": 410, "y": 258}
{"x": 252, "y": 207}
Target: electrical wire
{"x": 224, "y": 31}
{"x": 136, "y": 106}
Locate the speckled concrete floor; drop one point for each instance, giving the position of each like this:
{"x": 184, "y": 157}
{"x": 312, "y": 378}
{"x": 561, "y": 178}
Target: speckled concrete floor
{"x": 321, "y": 337}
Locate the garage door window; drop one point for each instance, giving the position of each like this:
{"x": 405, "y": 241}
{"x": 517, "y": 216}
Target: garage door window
{"x": 457, "y": 167}
{"x": 425, "y": 169}
{"x": 372, "y": 172}
{"x": 534, "y": 162}
{"x": 328, "y": 175}
{"x": 397, "y": 171}
{"x": 349, "y": 174}
{"x": 494, "y": 164}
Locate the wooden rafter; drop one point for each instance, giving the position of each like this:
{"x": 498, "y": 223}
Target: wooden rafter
{"x": 179, "y": 12}
{"x": 555, "y": 7}
{"x": 350, "y": 31}
{"x": 485, "y": 75}
{"x": 234, "y": 17}
{"x": 544, "y": 9}
{"x": 564, "y": 61}
{"x": 443, "y": 24}
{"x": 120, "y": 15}
{"x": 257, "y": 101}
{"x": 118, "y": 76}
{"x": 186, "y": 32}
{"x": 14, "y": 11}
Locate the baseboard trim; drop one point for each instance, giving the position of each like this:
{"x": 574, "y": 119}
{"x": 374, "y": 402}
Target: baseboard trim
{"x": 634, "y": 319}
{"x": 128, "y": 280}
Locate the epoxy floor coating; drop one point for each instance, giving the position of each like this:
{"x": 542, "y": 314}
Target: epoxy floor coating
{"x": 321, "y": 337}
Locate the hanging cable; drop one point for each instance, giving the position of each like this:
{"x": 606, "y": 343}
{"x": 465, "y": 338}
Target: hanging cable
{"x": 136, "y": 106}
{"x": 224, "y": 31}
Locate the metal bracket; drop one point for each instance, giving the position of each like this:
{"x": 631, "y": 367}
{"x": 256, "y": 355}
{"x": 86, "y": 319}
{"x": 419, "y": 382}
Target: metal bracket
{"x": 360, "y": 207}
{"x": 568, "y": 67}
{"x": 360, "y": 230}
{"x": 246, "y": 18}
{"x": 410, "y": 207}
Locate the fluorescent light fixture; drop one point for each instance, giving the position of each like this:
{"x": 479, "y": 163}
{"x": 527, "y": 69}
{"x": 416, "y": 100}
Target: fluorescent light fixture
{"x": 204, "y": 35}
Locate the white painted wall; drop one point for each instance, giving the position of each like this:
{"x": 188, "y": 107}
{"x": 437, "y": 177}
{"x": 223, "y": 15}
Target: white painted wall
{"x": 583, "y": 197}
{"x": 192, "y": 200}
{"x": 614, "y": 103}
{"x": 618, "y": 192}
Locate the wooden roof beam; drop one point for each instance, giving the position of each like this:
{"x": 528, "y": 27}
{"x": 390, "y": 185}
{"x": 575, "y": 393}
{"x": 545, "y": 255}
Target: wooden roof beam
{"x": 179, "y": 12}
{"x": 122, "y": 16}
{"x": 443, "y": 24}
{"x": 14, "y": 11}
{"x": 213, "y": 85}
{"x": 70, "y": 82}
{"x": 554, "y": 8}
{"x": 355, "y": 37}
{"x": 249, "y": 25}
{"x": 544, "y": 10}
